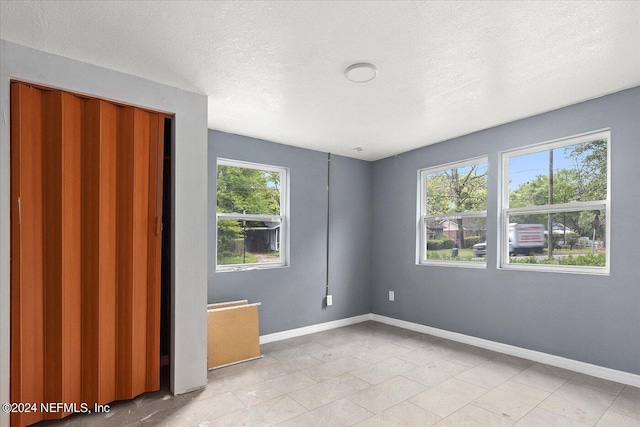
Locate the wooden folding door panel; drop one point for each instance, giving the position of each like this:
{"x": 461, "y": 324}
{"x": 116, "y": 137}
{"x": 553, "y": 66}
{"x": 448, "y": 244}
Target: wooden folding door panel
{"x": 138, "y": 237}
{"x": 86, "y": 197}
{"x": 27, "y": 302}
{"x": 99, "y": 266}
{"x": 156, "y": 163}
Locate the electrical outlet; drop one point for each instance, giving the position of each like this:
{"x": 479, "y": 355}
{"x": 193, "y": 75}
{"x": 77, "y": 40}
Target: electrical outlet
{"x": 329, "y": 300}
{"x": 392, "y": 296}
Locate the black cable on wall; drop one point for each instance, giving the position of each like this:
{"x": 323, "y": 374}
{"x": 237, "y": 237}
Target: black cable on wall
{"x": 328, "y": 213}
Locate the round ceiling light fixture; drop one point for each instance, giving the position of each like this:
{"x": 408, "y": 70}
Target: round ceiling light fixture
{"x": 361, "y": 72}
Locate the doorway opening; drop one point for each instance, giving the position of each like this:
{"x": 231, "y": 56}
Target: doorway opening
{"x": 166, "y": 259}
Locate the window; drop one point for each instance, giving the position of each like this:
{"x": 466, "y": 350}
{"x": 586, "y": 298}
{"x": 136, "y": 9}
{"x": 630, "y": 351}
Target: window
{"x": 251, "y": 215}
{"x": 555, "y": 206}
{"x": 453, "y": 214}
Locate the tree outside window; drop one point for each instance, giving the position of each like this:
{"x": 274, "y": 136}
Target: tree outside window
{"x": 453, "y": 205}
{"x": 564, "y": 187}
{"x": 250, "y": 215}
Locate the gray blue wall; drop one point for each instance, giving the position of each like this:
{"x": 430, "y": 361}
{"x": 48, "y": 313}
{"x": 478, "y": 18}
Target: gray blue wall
{"x": 595, "y": 319}
{"x": 293, "y": 296}
{"x": 589, "y": 318}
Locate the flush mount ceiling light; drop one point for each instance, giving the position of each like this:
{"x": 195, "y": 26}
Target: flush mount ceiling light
{"x": 361, "y": 72}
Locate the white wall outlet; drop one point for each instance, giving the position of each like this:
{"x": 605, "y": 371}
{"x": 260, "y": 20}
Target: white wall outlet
{"x": 392, "y": 296}
{"x": 329, "y": 300}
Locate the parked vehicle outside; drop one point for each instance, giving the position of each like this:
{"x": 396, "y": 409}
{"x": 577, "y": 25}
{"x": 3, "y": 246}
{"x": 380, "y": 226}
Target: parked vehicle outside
{"x": 480, "y": 249}
{"x": 526, "y": 239}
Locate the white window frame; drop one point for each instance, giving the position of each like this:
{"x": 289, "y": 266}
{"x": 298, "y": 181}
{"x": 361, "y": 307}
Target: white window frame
{"x": 281, "y": 218}
{"x": 422, "y": 217}
{"x": 505, "y": 211}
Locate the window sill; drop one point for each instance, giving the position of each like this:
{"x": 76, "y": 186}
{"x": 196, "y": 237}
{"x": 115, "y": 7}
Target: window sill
{"x": 455, "y": 264}
{"x": 591, "y": 271}
{"x": 250, "y": 268}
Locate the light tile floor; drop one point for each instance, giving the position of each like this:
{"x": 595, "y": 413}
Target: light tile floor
{"x": 371, "y": 374}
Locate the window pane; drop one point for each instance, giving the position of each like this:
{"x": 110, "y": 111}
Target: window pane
{"x": 248, "y": 242}
{"x": 578, "y": 238}
{"x": 250, "y": 191}
{"x": 579, "y": 173}
{"x": 456, "y": 239}
{"x": 461, "y": 189}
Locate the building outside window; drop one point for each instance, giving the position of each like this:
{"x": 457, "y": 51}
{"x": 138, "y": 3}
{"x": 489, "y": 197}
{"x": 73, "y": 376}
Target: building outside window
{"x": 250, "y": 216}
{"x": 453, "y": 214}
{"x": 556, "y": 206}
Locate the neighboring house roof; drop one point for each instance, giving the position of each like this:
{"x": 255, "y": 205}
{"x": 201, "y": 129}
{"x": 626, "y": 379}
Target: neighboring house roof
{"x": 266, "y": 226}
{"x": 559, "y": 227}
{"x": 470, "y": 224}
{"x": 449, "y": 225}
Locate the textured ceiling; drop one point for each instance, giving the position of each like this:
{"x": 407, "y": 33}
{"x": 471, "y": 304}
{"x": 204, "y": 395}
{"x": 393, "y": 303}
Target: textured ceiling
{"x": 274, "y": 70}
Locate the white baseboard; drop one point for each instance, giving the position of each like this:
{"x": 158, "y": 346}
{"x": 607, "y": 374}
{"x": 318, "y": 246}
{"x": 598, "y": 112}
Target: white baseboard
{"x": 536, "y": 356}
{"x": 292, "y": 333}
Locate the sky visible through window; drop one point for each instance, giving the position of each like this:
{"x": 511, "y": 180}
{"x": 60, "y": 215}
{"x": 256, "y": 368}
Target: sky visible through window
{"x": 525, "y": 168}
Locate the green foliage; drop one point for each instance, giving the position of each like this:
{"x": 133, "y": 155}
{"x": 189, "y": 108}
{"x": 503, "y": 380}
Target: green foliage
{"x": 445, "y": 255}
{"x": 585, "y": 180}
{"x": 532, "y": 259}
{"x": 450, "y": 191}
{"x": 243, "y": 190}
{"x": 457, "y": 190}
{"x": 469, "y": 241}
{"x": 536, "y": 191}
{"x": 437, "y": 244}
{"x": 557, "y": 238}
{"x": 588, "y": 260}
{"x": 252, "y": 191}
{"x": 229, "y": 232}
{"x": 593, "y": 260}
{"x": 227, "y": 258}
{"x": 591, "y": 167}
{"x": 570, "y": 239}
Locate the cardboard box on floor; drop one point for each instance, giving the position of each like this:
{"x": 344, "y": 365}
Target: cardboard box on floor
{"x": 233, "y": 333}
